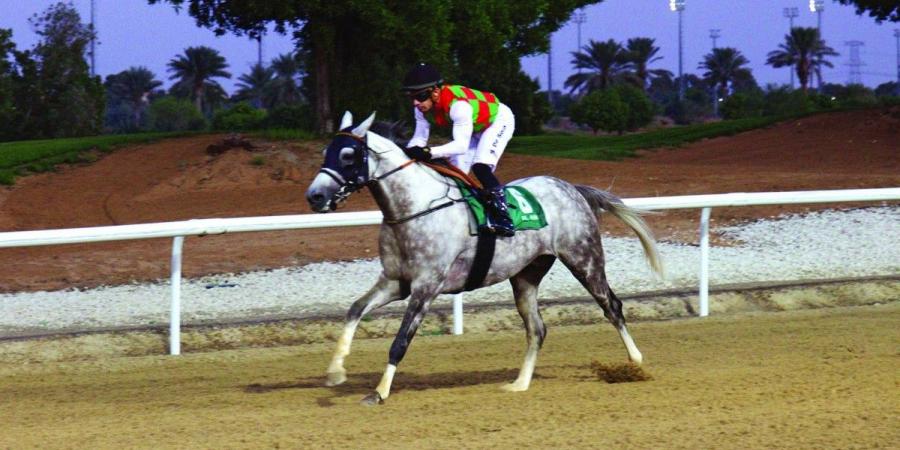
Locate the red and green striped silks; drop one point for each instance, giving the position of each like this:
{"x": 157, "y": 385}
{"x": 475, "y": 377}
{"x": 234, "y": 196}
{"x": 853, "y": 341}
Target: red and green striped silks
{"x": 484, "y": 105}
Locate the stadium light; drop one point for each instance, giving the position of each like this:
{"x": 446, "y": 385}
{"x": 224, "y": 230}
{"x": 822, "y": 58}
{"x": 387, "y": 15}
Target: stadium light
{"x": 817, "y": 6}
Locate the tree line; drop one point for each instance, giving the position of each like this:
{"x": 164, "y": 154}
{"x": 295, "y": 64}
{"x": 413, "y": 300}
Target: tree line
{"x": 352, "y": 55}
{"x": 615, "y": 88}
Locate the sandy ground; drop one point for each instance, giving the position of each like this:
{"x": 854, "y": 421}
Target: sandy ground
{"x": 177, "y": 180}
{"x": 801, "y": 379}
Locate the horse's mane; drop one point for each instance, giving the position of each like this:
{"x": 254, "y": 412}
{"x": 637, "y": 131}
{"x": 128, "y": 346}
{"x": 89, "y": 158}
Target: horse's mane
{"x": 396, "y": 132}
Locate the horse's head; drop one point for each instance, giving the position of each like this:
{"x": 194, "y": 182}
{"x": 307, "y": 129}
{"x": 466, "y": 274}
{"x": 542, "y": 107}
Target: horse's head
{"x": 346, "y": 166}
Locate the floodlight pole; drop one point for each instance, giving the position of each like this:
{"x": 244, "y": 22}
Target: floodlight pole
{"x": 259, "y": 50}
{"x": 897, "y": 36}
{"x": 550, "y": 73}
{"x": 818, "y": 7}
{"x": 715, "y": 33}
{"x": 579, "y": 18}
{"x": 93, "y": 40}
{"x": 790, "y": 13}
{"x": 678, "y": 6}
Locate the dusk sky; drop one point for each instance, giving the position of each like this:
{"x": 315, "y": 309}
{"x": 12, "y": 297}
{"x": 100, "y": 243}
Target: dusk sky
{"x": 133, "y": 33}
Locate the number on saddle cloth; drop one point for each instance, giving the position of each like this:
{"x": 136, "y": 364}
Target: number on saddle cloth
{"x": 524, "y": 209}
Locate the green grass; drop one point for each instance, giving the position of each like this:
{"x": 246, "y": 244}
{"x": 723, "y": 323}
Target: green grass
{"x": 613, "y": 148}
{"x": 21, "y": 157}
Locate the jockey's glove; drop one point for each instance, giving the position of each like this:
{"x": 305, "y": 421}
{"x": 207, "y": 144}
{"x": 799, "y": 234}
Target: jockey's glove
{"x": 419, "y": 153}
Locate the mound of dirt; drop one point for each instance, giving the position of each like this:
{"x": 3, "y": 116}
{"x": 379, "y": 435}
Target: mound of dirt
{"x": 178, "y": 179}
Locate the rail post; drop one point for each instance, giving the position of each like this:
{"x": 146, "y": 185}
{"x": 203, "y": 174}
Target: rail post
{"x": 175, "y": 310}
{"x": 457, "y": 314}
{"x": 704, "y": 261}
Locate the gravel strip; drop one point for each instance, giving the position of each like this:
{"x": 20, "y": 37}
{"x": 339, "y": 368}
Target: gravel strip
{"x": 827, "y": 244}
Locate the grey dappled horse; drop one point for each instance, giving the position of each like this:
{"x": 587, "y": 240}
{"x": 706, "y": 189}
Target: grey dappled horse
{"x": 426, "y": 248}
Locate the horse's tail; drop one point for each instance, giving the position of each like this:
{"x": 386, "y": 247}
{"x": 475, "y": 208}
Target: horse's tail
{"x": 602, "y": 200}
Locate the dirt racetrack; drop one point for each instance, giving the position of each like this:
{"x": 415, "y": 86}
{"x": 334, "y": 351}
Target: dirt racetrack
{"x": 804, "y": 379}
{"x": 177, "y": 180}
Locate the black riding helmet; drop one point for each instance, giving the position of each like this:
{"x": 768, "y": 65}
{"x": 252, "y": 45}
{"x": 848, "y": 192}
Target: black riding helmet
{"x": 420, "y": 77}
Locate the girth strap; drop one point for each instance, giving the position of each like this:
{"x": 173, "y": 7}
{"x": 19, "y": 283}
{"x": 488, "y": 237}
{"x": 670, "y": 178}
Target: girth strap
{"x": 484, "y": 255}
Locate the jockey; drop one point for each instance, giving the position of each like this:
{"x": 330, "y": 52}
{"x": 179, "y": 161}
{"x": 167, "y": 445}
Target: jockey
{"x": 481, "y": 127}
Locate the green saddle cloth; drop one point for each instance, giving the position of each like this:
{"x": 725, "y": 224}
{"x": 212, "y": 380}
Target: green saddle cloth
{"x": 524, "y": 209}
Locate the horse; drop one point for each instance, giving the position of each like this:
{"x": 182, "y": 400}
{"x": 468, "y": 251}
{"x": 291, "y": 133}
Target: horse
{"x": 426, "y": 247}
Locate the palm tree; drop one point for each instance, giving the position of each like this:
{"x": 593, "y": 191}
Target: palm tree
{"x": 288, "y": 70}
{"x": 641, "y": 53}
{"x": 195, "y": 71}
{"x": 724, "y": 66}
{"x": 133, "y": 87}
{"x": 804, "y": 50}
{"x": 256, "y": 86}
{"x": 603, "y": 63}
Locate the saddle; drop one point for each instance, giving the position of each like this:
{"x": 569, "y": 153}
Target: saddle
{"x": 524, "y": 209}
{"x": 443, "y": 167}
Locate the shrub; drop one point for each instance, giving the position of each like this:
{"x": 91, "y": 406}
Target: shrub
{"x": 7, "y": 177}
{"x": 784, "y": 101}
{"x": 242, "y": 116}
{"x": 601, "y": 110}
{"x": 742, "y": 105}
{"x": 857, "y": 96}
{"x": 889, "y": 101}
{"x": 640, "y": 109}
{"x": 175, "y": 114}
{"x": 298, "y": 117}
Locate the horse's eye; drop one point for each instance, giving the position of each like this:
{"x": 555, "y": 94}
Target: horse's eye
{"x": 347, "y": 157}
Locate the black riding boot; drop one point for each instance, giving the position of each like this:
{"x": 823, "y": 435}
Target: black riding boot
{"x": 498, "y": 212}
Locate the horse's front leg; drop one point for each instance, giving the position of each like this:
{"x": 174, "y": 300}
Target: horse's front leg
{"x": 415, "y": 312}
{"x": 383, "y": 292}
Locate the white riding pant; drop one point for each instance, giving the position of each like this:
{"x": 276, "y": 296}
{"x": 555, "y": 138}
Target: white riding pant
{"x": 487, "y": 146}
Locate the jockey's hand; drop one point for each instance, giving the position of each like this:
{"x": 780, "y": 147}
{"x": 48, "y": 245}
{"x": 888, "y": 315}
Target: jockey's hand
{"x": 419, "y": 153}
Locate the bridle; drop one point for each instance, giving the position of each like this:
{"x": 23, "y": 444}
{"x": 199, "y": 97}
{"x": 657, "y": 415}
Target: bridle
{"x": 358, "y": 178}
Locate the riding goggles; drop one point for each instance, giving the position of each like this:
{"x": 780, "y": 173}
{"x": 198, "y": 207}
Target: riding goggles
{"x": 422, "y": 95}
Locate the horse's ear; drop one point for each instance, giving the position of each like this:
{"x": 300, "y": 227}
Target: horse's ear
{"x": 346, "y": 121}
{"x": 360, "y": 131}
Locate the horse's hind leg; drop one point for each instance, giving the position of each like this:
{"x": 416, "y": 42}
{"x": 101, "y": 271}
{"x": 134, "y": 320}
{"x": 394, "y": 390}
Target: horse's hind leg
{"x": 587, "y": 265}
{"x": 383, "y": 292}
{"x": 525, "y": 288}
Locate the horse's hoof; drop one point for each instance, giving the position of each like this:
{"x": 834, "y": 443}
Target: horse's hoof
{"x": 514, "y": 387}
{"x": 335, "y": 378}
{"x": 372, "y": 399}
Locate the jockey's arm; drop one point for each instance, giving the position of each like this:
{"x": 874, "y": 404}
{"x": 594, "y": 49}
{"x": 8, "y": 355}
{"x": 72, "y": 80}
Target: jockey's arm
{"x": 423, "y": 129}
{"x": 461, "y": 116}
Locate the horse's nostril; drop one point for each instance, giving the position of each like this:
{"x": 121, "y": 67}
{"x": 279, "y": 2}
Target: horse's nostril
{"x": 315, "y": 198}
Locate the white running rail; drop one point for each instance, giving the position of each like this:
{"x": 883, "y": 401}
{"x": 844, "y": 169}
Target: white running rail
{"x": 202, "y": 227}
